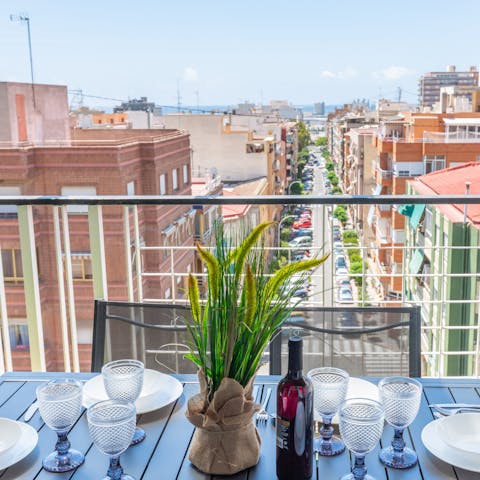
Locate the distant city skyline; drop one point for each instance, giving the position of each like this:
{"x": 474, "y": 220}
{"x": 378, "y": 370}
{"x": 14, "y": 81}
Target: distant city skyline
{"x": 219, "y": 53}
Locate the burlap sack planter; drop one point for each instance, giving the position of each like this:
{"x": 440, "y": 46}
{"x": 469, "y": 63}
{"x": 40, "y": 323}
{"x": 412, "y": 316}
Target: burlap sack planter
{"x": 226, "y": 440}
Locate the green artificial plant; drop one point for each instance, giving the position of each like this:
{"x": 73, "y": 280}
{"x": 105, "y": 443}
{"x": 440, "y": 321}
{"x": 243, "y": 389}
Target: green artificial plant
{"x": 244, "y": 307}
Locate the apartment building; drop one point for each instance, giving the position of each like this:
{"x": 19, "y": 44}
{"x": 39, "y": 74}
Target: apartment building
{"x": 430, "y": 83}
{"x": 39, "y": 155}
{"x": 230, "y": 147}
{"x": 417, "y": 144}
{"x": 358, "y": 180}
{"x": 443, "y": 267}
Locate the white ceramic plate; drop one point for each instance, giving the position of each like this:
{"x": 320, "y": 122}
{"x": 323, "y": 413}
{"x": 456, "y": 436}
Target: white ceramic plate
{"x": 10, "y": 433}
{"x": 359, "y": 388}
{"x": 158, "y": 391}
{"x": 25, "y": 444}
{"x": 433, "y": 439}
{"x": 462, "y": 432}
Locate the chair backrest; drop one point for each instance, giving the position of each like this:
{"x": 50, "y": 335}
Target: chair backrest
{"x": 365, "y": 341}
{"x": 153, "y": 333}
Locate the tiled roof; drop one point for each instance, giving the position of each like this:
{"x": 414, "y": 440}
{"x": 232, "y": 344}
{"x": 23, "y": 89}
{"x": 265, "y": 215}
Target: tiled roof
{"x": 249, "y": 188}
{"x": 451, "y": 181}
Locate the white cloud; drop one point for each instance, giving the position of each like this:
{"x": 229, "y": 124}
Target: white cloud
{"x": 190, "y": 74}
{"x": 327, "y": 74}
{"x": 394, "y": 72}
{"x": 348, "y": 72}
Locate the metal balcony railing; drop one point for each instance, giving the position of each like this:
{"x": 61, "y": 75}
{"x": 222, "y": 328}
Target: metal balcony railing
{"x": 116, "y": 250}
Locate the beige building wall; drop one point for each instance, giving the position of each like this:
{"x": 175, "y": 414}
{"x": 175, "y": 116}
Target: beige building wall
{"x": 22, "y": 121}
{"x": 217, "y": 144}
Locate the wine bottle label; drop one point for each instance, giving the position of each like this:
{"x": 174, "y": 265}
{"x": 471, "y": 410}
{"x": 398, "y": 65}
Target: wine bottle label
{"x": 283, "y": 427}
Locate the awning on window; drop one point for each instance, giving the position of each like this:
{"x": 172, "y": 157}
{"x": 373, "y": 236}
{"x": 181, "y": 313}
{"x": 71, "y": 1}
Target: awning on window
{"x": 416, "y": 262}
{"x": 406, "y": 210}
{"x": 416, "y": 215}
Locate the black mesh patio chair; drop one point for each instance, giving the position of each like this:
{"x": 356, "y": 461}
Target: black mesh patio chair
{"x": 365, "y": 341}
{"x": 153, "y": 333}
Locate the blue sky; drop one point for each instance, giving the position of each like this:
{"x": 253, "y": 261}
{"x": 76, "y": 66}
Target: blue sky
{"x": 230, "y": 51}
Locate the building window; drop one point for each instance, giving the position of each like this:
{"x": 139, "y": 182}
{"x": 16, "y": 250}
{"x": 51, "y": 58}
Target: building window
{"x": 76, "y": 192}
{"x": 432, "y": 163}
{"x": 163, "y": 184}
{"x": 9, "y": 210}
{"x": 12, "y": 265}
{"x": 131, "y": 188}
{"x": 81, "y": 266}
{"x": 428, "y": 221}
{"x": 255, "y": 147}
{"x": 175, "y": 179}
{"x": 185, "y": 174}
{"x": 18, "y": 333}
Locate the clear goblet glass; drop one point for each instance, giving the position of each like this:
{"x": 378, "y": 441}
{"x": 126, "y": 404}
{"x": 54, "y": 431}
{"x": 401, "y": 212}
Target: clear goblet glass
{"x": 123, "y": 380}
{"x": 111, "y": 425}
{"x": 60, "y": 404}
{"x": 401, "y": 400}
{"x": 330, "y": 389}
{"x": 361, "y": 426}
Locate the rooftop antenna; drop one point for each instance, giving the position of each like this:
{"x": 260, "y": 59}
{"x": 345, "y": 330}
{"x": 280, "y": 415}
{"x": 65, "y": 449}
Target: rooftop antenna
{"x": 24, "y": 18}
{"x": 179, "y": 98}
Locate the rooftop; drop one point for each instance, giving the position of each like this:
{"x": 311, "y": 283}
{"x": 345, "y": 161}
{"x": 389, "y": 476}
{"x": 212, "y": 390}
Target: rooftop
{"x": 452, "y": 181}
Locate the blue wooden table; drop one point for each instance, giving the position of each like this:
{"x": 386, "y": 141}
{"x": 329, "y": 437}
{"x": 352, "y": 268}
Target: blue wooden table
{"x": 163, "y": 454}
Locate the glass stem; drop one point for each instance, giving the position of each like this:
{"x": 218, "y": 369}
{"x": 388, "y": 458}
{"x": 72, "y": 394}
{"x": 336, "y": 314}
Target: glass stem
{"x": 398, "y": 443}
{"x": 62, "y": 447}
{"x": 326, "y": 431}
{"x": 359, "y": 469}
{"x": 115, "y": 470}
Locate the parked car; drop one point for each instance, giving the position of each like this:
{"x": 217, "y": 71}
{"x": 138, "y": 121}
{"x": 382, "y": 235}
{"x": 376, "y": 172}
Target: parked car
{"x": 343, "y": 282}
{"x": 304, "y": 241}
{"x": 302, "y": 209}
{"x": 300, "y": 255}
{"x": 301, "y": 292}
{"x": 340, "y": 262}
{"x": 341, "y": 272}
{"x": 344, "y": 295}
{"x": 302, "y": 223}
{"x": 305, "y": 232}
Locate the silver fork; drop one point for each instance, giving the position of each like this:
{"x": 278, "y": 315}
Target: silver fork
{"x": 262, "y": 415}
{"x": 452, "y": 411}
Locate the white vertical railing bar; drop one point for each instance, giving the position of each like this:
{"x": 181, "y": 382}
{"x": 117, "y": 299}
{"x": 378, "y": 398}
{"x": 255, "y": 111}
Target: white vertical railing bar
{"x": 138, "y": 254}
{"x": 99, "y": 269}
{"x": 5, "y": 347}
{"x": 97, "y": 248}
{"x": 70, "y": 291}
{"x": 128, "y": 252}
{"x": 172, "y": 276}
{"x": 32, "y": 290}
{"x": 61, "y": 289}
{"x": 128, "y": 266}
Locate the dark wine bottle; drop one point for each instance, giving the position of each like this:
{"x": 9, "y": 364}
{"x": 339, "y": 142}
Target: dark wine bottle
{"x": 295, "y": 418}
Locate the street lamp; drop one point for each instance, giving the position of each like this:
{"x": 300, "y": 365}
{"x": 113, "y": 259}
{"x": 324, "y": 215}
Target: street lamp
{"x": 280, "y": 227}
{"x": 23, "y": 17}
{"x": 293, "y": 183}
